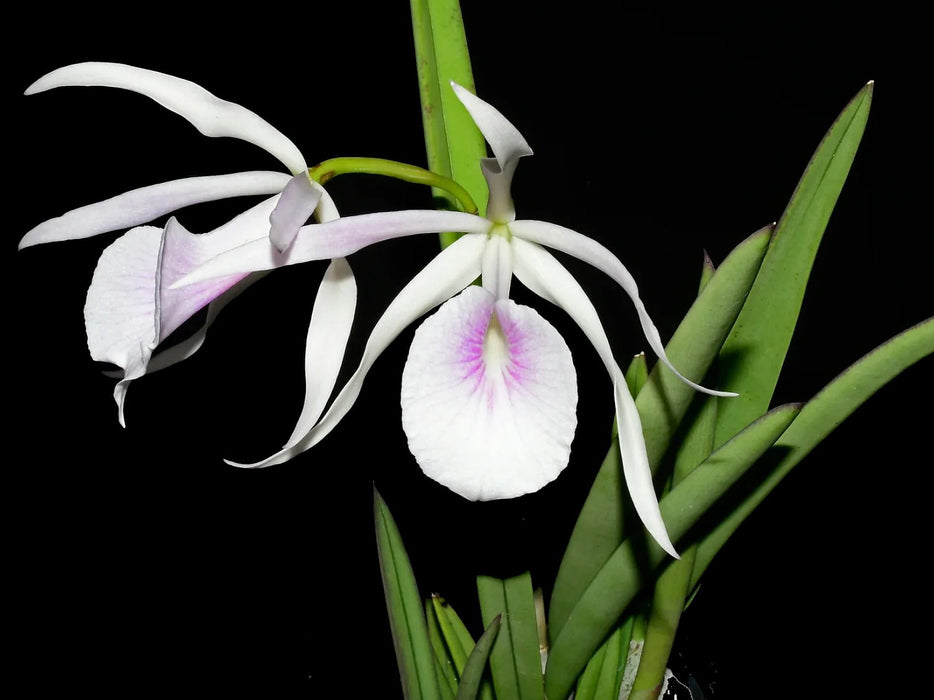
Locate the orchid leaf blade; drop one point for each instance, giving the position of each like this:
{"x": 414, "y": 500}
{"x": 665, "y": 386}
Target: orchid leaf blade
{"x": 818, "y": 418}
{"x": 471, "y": 685}
{"x": 631, "y": 565}
{"x": 453, "y": 143}
{"x": 662, "y": 402}
{"x": 414, "y": 653}
{"x": 447, "y": 675}
{"x": 515, "y": 659}
{"x": 753, "y": 355}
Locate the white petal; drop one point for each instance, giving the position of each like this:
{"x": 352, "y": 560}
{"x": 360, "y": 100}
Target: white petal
{"x": 295, "y": 207}
{"x": 588, "y": 250}
{"x": 489, "y": 394}
{"x": 539, "y": 271}
{"x": 328, "y": 331}
{"x": 147, "y": 203}
{"x": 507, "y": 143}
{"x": 336, "y": 239}
{"x": 449, "y": 272}
{"x": 209, "y": 114}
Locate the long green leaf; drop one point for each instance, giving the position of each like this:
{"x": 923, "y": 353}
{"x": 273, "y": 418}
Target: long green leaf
{"x": 447, "y": 674}
{"x": 459, "y": 643}
{"x": 818, "y": 418}
{"x": 662, "y": 402}
{"x": 453, "y": 143}
{"x": 414, "y": 653}
{"x": 752, "y": 356}
{"x": 515, "y": 659}
{"x": 472, "y": 677}
{"x": 628, "y": 569}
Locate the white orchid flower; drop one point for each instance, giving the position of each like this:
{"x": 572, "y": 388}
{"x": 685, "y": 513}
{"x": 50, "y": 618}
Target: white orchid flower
{"x": 130, "y": 307}
{"x": 488, "y": 390}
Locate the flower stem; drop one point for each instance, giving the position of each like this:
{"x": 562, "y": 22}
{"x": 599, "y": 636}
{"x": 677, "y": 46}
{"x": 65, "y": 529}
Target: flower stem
{"x": 329, "y": 169}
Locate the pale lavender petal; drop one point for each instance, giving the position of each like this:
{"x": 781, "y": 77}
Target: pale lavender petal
{"x": 539, "y": 271}
{"x": 328, "y": 332}
{"x": 147, "y": 203}
{"x": 489, "y": 394}
{"x": 295, "y": 207}
{"x": 209, "y": 114}
{"x": 187, "y": 347}
{"x": 449, "y": 272}
{"x": 593, "y": 253}
{"x": 335, "y": 239}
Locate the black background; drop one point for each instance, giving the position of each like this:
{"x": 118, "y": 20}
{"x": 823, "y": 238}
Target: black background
{"x": 140, "y": 562}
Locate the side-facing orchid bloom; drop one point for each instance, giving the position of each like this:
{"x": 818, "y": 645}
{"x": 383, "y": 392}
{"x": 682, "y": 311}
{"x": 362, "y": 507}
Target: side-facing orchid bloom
{"x": 130, "y": 307}
{"x": 488, "y": 390}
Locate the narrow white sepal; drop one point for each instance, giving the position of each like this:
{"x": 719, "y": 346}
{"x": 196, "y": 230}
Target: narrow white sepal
{"x": 538, "y": 270}
{"x": 142, "y": 205}
{"x": 593, "y": 253}
{"x": 335, "y": 239}
{"x": 328, "y": 332}
{"x": 507, "y": 143}
{"x": 211, "y": 115}
{"x": 449, "y": 272}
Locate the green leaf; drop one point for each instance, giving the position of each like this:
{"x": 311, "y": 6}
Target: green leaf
{"x": 631, "y": 565}
{"x": 414, "y": 655}
{"x": 752, "y": 356}
{"x": 452, "y": 141}
{"x": 662, "y": 402}
{"x": 817, "y": 420}
{"x": 458, "y": 641}
{"x": 672, "y": 584}
{"x": 515, "y": 659}
{"x": 472, "y": 677}
{"x": 696, "y": 343}
{"x": 447, "y": 673}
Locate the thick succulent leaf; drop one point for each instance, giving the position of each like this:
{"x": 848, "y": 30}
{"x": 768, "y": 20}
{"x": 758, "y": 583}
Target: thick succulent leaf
{"x": 515, "y": 659}
{"x": 753, "y": 354}
{"x": 817, "y": 420}
{"x": 630, "y": 566}
{"x": 472, "y": 685}
{"x": 662, "y": 402}
{"x": 453, "y": 142}
{"x": 414, "y": 654}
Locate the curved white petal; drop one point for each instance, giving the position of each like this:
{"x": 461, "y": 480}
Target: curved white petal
{"x": 489, "y": 395}
{"x": 449, "y": 272}
{"x": 336, "y": 239}
{"x": 591, "y": 252}
{"x": 295, "y": 207}
{"x": 328, "y": 332}
{"x": 142, "y": 205}
{"x": 543, "y": 274}
{"x": 507, "y": 143}
{"x": 210, "y": 115}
